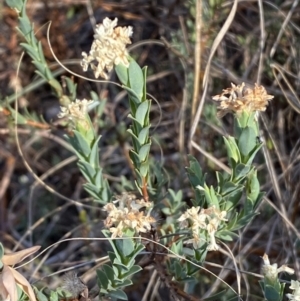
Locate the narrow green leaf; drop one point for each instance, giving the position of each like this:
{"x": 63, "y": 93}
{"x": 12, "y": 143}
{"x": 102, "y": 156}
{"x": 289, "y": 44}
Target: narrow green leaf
{"x": 144, "y": 152}
{"x": 136, "y": 78}
{"x": 41, "y": 296}
{"x": 25, "y": 28}
{"x": 17, "y": 4}
{"x": 134, "y": 157}
{"x": 211, "y": 197}
{"x": 241, "y": 171}
{"x": 98, "y": 179}
{"x": 145, "y": 83}
{"x": 56, "y": 86}
{"x": 119, "y": 294}
{"x": 31, "y": 51}
{"x": 247, "y": 141}
{"x": 232, "y": 149}
{"x": 253, "y": 188}
{"x": 125, "y": 246}
{"x": 122, "y": 73}
{"x": 253, "y": 154}
{"x": 144, "y": 135}
{"x": 94, "y": 154}
{"x": 108, "y": 272}
{"x": 87, "y": 170}
{"x": 142, "y": 113}
{"x": 102, "y": 279}
{"x": 41, "y": 68}
{"x": 144, "y": 168}
{"x": 80, "y": 144}
{"x": 132, "y": 95}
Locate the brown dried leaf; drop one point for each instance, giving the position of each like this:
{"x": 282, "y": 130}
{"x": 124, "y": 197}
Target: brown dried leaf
{"x": 16, "y": 257}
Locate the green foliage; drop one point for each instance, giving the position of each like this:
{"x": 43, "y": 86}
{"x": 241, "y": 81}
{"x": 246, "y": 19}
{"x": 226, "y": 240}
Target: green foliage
{"x": 87, "y": 151}
{"x": 53, "y": 295}
{"x": 34, "y": 49}
{"x": 273, "y": 290}
{"x": 226, "y": 207}
{"x": 242, "y": 184}
{"x": 112, "y": 279}
{"x": 133, "y": 79}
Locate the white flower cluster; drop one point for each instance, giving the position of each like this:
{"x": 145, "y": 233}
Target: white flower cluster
{"x": 75, "y": 110}
{"x": 272, "y": 271}
{"x": 205, "y": 219}
{"x": 295, "y": 286}
{"x": 128, "y": 215}
{"x": 108, "y": 48}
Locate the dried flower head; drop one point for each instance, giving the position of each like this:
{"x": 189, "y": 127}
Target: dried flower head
{"x": 75, "y": 110}
{"x": 74, "y": 285}
{"x": 108, "y": 48}
{"x": 295, "y": 286}
{"x": 272, "y": 271}
{"x": 128, "y": 215}
{"x": 239, "y": 98}
{"x": 203, "y": 220}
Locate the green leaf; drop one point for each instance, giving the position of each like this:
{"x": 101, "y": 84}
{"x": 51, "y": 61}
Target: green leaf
{"x": 102, "y": 279}
{"x": 271, "y": 294}
{"x": 40, "y": 295}
{"x": 144, "y": 168}
{"x": 241, "y": 171}
{"x": 80, "y": 144}
{"x": 211, "y": 197}
{"x": 134, "y": 157}
{"x": 144, "y": 135}
{"x": 26, "y": 28}
{"x": 233, "y": 198}
{"x": 135, "y": 139}
{"x": 98, "y": 179}
{"x": 144, "y": 152}
{"x": 122, "y": 73}
{"x": 87, "y": 170}
{"x": 136, "y": 78}
{"x": 53, "y": 296}
{"x": 232, "y": 149}
{"x": 226, "y": 235}
{"x": 178, "y": 270}
{"x": 94, "y": 153}
{"x": 145, "y": 83}
{"x": 119, "y": 294}
{"x": 125, "y": 246}
{"x": 41, "y": 68}
{"x": 253, "y": 187}
{"x": 138, "y": 249}
{"x": 133, "y": 270}
{"x": 17, "y": 4}
{"x": 142, "y": 113}
{"x": 108, "y": 272}
{"x": 253, "y": 154}
{"x": 195, "y": 173}
{"x": 247, "y": 141}
{"x": 31, "y": 51}
{"x": 228, "y": 188}
{"x": 132, "y": 95}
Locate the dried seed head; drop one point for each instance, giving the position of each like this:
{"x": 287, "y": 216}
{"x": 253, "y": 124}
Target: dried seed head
{"x": 239, "y": 98}
{"x": 74, "y": 285}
